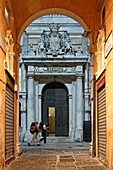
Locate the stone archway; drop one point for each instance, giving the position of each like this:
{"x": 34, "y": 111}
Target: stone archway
{"x": 58, "y": 70}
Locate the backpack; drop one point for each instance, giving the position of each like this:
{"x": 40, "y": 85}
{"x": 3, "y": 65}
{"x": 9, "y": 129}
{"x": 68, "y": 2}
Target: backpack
{"x": 32, "y": 128}
{"x": 41, "y": 126}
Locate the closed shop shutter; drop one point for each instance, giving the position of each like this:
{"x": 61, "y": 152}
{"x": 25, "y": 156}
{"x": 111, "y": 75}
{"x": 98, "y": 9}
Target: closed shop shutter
{"x": 9, "y": 124}
{"x": 102, "y": 124}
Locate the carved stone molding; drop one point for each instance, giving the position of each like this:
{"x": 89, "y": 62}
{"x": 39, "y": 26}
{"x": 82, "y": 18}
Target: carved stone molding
{"x": 100, "y": 53}
{"x": 53, "y": 43}
{"x": 8, "y": 63}
{"x": 55, "y": 69}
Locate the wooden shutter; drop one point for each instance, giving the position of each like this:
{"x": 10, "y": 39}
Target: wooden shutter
{"x": 102, "y": 124}
{"x": 9, "y": 124}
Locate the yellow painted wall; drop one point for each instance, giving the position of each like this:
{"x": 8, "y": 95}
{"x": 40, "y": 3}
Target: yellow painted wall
{"x": 3, "y": 27}
{"x": 109, "y": 86}
{"x": 109, "y": 83}
{"x": 5, "y": 24}
{"x": 109, "y": 108}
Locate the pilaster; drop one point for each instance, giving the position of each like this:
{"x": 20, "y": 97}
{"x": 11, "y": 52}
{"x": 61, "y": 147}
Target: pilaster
{"x": 37, "y": 100}
{"x": 70, "y": 115}
{"x": 23, "y": 77}
{"x": 73, "y": 108}
{"x": 40, "y": 103}
{"x": 23, "y": 100}
{"x": 86, "y": 94}
{"x": 23, "y": 115}
{"x": 31, "y": 98}
{"x": 79, "y": 109}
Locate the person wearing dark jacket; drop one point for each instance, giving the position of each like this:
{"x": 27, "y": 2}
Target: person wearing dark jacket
{"x": 44, "y": 132}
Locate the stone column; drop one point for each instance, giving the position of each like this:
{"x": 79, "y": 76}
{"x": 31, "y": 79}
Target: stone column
{"x": 31, "y": 97}
{"x": 86, "y": 94}
{"x": 79, "y": 109}
{"x": 23, "y": 115}
{"x": 23, "y": 77}
{"x": 73, "y": 109}
{"x": 70, "y": 115}
{"x": 36, "y": 100}
{"x": 39, "y": 110}
{"x": 23, "y": 100}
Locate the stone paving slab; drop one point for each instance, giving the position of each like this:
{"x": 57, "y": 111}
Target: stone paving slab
{"x": 56, "y": 157}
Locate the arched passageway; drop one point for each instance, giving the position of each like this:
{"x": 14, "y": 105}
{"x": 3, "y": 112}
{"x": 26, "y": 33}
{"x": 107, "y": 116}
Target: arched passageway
{"x": 96, "y": 18}
{"x": 54, "y": 50}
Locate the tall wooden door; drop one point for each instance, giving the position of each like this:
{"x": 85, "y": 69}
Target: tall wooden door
{"x": 56, "y": 95}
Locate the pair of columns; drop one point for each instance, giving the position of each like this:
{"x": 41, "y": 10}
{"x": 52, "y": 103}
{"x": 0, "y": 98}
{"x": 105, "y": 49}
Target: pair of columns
{"x": 29, "y": 100}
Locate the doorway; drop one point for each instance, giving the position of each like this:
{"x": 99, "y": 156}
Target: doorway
{"x": 55, "y": 108}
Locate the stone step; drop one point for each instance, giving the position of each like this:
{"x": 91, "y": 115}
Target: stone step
{"x": 54, "y": 139}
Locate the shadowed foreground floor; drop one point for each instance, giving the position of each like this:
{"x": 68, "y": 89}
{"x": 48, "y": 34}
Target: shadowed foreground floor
{"x": 56, "y": 156}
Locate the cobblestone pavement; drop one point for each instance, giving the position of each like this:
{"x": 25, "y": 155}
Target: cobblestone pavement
{"x": 56, "y": 156}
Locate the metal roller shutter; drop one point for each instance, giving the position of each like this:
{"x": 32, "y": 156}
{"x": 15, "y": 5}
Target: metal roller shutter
{"x": 9, "y": 124}
{"x": 102, "y": 124}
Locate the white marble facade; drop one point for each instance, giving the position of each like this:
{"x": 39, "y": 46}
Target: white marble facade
{"x": 53, "y": 49}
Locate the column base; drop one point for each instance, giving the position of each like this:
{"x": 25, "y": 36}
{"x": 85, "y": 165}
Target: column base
{"x": 27, "y": 136}
{"x": 18, "y": 149}
{"x": 71, "y": 135}
{"x": 91, "y": 152}
{"x": 22, "y": 136}
{"x": 78, "y": 135}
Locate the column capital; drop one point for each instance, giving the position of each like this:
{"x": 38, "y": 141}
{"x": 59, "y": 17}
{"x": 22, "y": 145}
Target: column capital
{"x": 70, "y": 96}
{"x": 79, "y": 75}
{"x": 30, "y": 75}
{"x": 30, "y": 72}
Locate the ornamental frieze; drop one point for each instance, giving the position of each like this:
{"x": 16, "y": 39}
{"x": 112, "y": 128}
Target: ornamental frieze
{"x": 55, "y": 69}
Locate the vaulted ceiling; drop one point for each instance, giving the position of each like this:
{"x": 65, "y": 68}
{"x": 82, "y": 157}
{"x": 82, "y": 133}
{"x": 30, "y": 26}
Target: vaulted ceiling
{"x": 82, "y": 11}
